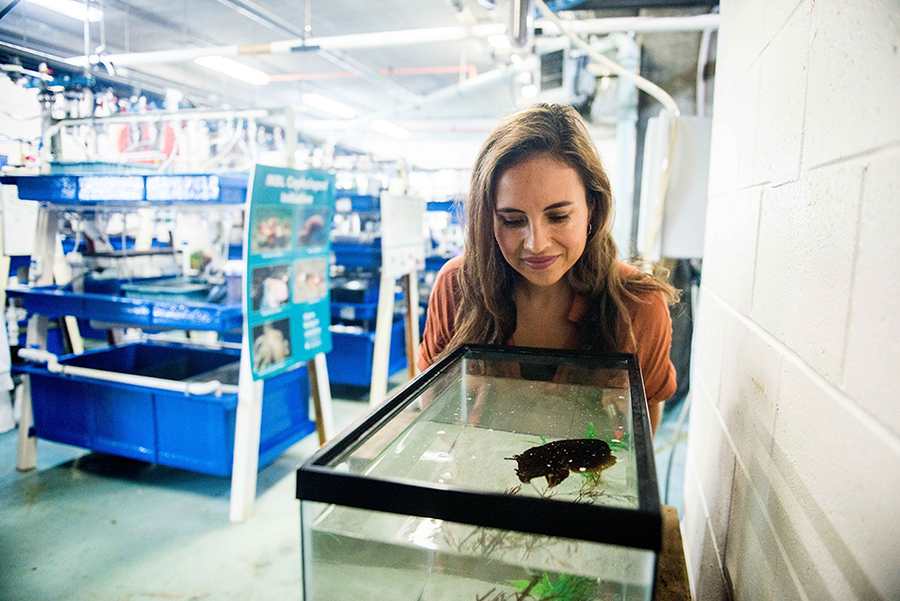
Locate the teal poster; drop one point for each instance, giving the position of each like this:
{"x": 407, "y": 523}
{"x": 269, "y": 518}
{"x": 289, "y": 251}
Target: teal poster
{"x": 288, "y": 246}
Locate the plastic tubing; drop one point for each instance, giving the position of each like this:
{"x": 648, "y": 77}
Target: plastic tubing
{"x": 197, "y": 388}
{"x": 652, "y": 232}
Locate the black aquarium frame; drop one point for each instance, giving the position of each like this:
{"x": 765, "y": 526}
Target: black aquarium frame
{"x": 639, "y": 527}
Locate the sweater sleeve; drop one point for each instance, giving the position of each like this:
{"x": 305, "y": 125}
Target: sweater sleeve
{"x": 441, "y": 314}
{"x": 652, "y": 326}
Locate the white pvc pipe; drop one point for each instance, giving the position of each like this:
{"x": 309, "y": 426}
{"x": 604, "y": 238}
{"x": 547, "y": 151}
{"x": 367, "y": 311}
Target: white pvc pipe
{"x": 631, "y": 24}
{"x": 197, "y": 388}
{"x": 458, "y": 89}
{"x": 157, "y": 116}
{"x": 651, "y": 88}
{"x": 655, "y": 227}
{"x": 702, "y": 60}
{"x": 383, "y": 39}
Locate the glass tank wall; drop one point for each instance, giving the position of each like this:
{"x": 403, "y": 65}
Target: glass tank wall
{"x": 497, "y": 474}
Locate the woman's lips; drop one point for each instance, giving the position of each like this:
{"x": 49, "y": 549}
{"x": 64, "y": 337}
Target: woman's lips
{"x": 539, "y": 262}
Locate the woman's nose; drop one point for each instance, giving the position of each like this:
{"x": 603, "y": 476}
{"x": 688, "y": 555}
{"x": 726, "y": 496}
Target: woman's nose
{"x": 535, "y": 238}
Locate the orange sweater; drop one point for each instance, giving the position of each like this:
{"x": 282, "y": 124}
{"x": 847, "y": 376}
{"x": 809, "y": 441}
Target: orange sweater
{"x": 650, "y": 320}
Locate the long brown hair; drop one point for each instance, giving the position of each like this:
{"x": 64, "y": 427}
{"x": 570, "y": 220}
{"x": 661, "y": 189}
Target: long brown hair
{"x": 486, "y": 312}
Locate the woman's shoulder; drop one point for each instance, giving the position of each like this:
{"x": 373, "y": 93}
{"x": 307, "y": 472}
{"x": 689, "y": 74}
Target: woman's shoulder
{"x": 627, "y": 270}
{"x": 448, "y": 273}
{"x": 451, "y": 267}
{"x": 640, "y": 299}
{"x": 446, "y": 284}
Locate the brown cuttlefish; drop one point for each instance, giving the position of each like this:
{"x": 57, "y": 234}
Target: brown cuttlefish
{"x": 555, "y": 460}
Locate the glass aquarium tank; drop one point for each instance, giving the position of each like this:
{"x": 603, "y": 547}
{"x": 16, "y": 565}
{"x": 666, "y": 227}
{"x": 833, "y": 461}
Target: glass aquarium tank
{"x": 498, "y": 474}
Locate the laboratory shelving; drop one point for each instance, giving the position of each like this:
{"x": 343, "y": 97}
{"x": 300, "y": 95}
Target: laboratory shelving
{"x": 356, "y": 245}
{"x": 120, "y": 399}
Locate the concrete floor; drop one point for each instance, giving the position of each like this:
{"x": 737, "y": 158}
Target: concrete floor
{"x": 90, "y": 526}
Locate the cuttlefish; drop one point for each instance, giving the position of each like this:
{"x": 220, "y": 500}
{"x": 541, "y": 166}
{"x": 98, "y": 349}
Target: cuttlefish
{"x": 555, "y": 460}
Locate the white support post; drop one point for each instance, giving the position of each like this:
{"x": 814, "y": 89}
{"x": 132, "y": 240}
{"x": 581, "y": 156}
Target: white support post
{"x": 411, "y": 292}
{"x": 320, "y": 392}
{"x": 383, "y": 325}
{"x": 246, "y": 438}
{"x": 40, "y": 274}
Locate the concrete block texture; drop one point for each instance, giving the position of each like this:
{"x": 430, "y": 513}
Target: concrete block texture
{"x": 804, "y": 263}
{"x": 782, "y": 100}
{"x": 775, "y": 13}
{"x": 873, "y": 336}
{"x": 741, "y": 40}
{"x": 711, "y": 458}
{"x": 711, "y": 583}
{"x": 748, "y": 397}
{"x": 751, "y": 122}
{"x": 724, "y": 155}
{"x": 730, "y": 247}
{"x": 854, "y": 79}
{"x": 708, "y": 341}
{"x": 693, "y": 523}
{"x": 703, "y": 557}
{"x": 834, "y": 481}
{"x": 751, "y": 557}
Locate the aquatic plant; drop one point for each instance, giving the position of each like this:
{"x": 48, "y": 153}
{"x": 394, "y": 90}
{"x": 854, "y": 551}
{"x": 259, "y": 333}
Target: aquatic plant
{"x": 564, "y": 588}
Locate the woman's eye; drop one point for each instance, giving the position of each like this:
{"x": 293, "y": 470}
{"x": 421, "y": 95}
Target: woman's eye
{"x": 558, "y": 218}
{"x": 512, "y": 222}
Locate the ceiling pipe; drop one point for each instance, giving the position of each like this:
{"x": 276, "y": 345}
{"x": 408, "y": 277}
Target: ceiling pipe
{"x": 468, "y": 86}
{"x": 179, "y": 115}
{"x": 629, "y": 24}
{"x": 468, "y": 70}
{"x": 272, "y": 21}
{"x": 410, "y": 36}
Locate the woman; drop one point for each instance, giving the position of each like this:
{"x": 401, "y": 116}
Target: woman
{"x": 540, "y": 266}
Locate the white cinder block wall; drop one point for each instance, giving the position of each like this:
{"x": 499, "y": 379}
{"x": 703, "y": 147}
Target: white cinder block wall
{"x": 793, "y": 479}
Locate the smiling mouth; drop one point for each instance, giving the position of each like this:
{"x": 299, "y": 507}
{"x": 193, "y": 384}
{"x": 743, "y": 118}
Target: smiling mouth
{"x": 539, "y": 262}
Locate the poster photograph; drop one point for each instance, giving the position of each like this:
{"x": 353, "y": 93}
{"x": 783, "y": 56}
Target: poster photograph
{"x": 271, "y": 343}
{"x": 313, "y": 226}
{"x": 310, "y": 279}
{"x": 272, "y": 226}
{"x": 271, "y": 288}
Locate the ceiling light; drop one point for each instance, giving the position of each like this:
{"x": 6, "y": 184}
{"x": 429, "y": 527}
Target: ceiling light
{"x": 389, "y": 129}
{"x": 71, "y": 8}
{"x": 499, "y": 41}
{"x": 234, "y": 69}
{"x": 529, "y": 91}
{"x": 329, "y": 106}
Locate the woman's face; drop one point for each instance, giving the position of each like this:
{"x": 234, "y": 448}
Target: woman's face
{"x": 541, "y": 218}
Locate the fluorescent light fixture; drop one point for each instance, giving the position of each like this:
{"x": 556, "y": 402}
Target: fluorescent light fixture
{"x": 71, "y": 8}
{"x": 329, "y": 106}
{"x": 234, "y": 69}
{"x": 389, "y": 129}
{"x": 499, "y": 40}
{"x": 529, "y": 91}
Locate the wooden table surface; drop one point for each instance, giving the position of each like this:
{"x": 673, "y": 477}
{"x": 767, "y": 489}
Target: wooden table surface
{"x": 671, "y": 572}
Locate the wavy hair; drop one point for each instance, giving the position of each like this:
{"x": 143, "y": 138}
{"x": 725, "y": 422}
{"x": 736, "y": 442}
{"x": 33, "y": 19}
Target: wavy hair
{"x": 486, "y": 312}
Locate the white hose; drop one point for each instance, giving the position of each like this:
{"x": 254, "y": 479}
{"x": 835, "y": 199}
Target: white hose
{"x": 197, "y": 388}
{"x": 655, "y": 226}
{"x": 651, "y": 88}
